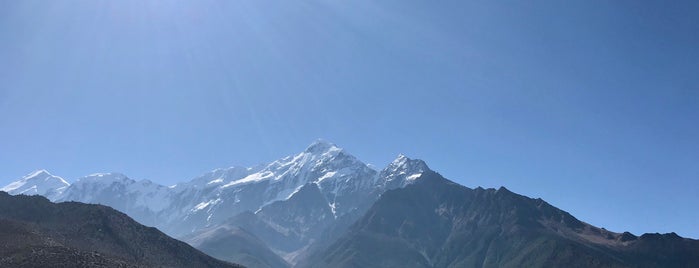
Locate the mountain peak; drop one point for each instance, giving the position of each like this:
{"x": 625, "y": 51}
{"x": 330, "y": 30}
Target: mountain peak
{"x": 321, "y": 146}
{"x": 402, "y": 171}
{"x": 401, "y": 158}
{"x": 104, "y": 178}
{"x": 39, "y": 182}
{"x": 37, "y": 173}
{"x": 403, "y": 162}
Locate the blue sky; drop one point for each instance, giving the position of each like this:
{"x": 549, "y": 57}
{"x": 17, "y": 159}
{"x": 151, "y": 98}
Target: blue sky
{"x": 590, "y": 105}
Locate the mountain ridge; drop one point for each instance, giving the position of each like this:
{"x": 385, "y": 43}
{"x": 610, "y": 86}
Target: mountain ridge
{"x": 36, "y": 232}
{"x": 306, "y": 208}
{"x": 222, "y": 193}
{"x": 438, "y": 223}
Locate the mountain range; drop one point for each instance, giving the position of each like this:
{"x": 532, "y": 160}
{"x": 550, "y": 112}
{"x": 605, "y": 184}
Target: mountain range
{"x": 325, "y": 208}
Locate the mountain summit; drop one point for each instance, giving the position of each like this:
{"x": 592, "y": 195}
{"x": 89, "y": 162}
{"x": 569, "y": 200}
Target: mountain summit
{"x": 39, "y": 182}
{"x": 321, "y": 146}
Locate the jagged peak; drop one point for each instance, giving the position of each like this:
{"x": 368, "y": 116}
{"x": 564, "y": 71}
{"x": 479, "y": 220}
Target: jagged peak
{"x": 404, "y": 162}
{"x": 401, "y": 158}
{"x": 401, "y": 172}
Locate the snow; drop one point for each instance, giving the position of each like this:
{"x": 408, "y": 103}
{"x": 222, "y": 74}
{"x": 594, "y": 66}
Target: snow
{"x": 332, "y": 208}
{"x": 260, "y": 176}
{"x": 216, "y": 181}
{"x": 39, "y": 182}
{"x": 31, "y": 190}
{"x": 413, "y": 177}
{"x": 13, "y": 186}
{"x": 327, "y": 175}
{"x": 204, "y": 205}
{"x": 150, "y": 195}
{"x": 294, "y": 192}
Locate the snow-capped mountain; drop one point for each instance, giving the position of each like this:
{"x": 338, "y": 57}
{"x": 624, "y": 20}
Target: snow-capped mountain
{"x": 39, "y": 182}
{"x": 325, "y": 208}
{"x": 336, "y": 182}
{"x": 341, "y": 178}
{"x": 332, "y": 190}
{"x": 142, "y": 200}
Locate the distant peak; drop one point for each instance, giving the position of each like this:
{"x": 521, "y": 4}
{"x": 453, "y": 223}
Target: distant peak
{"x": 38, "y": 182}
{"x": 108, "y": 174}
{"x": 321, "y": 146}
{"x": 37, "y": 173}
{"x": 401, "y": 158}
{"x": 44, "y": 175}
{"x": 105, "y": 176}
{"x": 403, "y": 161}
{"x": 403, "y": 171}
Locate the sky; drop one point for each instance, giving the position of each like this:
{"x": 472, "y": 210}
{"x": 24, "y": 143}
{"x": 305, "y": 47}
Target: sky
{"x": 591, "y": 105}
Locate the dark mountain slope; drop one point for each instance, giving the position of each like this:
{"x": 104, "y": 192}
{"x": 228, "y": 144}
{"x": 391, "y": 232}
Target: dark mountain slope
{"x": 35, "y": 232}
{"x": 437, "y": 223}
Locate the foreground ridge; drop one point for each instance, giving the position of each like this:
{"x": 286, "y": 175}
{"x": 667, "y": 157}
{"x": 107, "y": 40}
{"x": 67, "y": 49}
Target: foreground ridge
{"x": 38, "y": 233}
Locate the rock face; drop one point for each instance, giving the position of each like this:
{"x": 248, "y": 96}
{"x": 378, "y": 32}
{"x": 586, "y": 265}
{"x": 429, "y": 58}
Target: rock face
{"x": 38, "y": 233}
{"x": 438, "y": 223}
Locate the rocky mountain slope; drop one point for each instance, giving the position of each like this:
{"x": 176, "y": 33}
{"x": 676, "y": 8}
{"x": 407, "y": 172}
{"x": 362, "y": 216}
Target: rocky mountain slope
{"x": 37, "y": 233}
{"x": 438, "y": 223}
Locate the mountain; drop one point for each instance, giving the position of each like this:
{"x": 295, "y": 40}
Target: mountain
{"x": 323, "y": 207}
{"x": 37, "y": 233}
{"x": 142, "y": 200}
{"x": 341, "y": 178}
{"x": 437, "y": 223}
{"x": 299, "y": 202}
{"x": 338, "y": 189}
{"x": 40, "y": 182}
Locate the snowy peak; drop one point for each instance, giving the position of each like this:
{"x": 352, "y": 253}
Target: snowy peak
{"x": 402, "y": 171}
{"x": 39, "y": 182}
{"x": 38, "y": 173}
{"x": 103, "y": 179}
{"x": 321, "y": 160}
{"x": 321, "y": 146}
{"x": 403, "y": 164}
{"x": 120, "y": 192}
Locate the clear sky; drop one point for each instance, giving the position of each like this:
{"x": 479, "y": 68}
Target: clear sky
{"x": 590, "y": 105}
